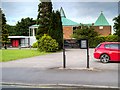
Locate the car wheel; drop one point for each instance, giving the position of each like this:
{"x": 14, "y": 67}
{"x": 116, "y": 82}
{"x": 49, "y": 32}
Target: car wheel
{"x": 104, "y": 58}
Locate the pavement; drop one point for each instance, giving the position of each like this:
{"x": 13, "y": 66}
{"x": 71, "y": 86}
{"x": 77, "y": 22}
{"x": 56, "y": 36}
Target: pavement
{"x": 48, "y": 70}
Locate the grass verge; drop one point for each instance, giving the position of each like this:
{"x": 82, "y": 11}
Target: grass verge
{"x": 14, "y": 54}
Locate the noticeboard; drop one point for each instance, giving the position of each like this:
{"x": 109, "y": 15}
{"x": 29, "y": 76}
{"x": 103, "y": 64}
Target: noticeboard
{"x": 83, "y": 43}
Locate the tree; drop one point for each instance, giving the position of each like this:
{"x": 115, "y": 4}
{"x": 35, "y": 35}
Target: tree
{"x": 85, "y": 32}
{"x": 11, "y": 30}
{"x": 4, "y": 29}
{"x": 0, "y": 28}
{"x": 43, "y": 18}
{"x": 22, "y": 27}
{"x": 55, "y": 29}
{"x": 117, "y": 26}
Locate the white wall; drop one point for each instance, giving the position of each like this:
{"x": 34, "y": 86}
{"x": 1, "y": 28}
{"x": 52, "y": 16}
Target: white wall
{"x": 32, "y": 40}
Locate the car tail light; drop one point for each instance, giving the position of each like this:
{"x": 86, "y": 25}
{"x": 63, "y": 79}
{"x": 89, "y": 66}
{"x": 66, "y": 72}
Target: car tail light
{"x": 95, "y": 49}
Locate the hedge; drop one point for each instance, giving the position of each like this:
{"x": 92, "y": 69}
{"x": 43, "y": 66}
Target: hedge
{"x": 110, "y": 38}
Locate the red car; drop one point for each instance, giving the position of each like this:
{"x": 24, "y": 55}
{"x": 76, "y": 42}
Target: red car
{"x": 107, "y": 51}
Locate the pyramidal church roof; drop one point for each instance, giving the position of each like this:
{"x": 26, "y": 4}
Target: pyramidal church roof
{"x": 65, "y": 21}
{"x": 101, "y": 21}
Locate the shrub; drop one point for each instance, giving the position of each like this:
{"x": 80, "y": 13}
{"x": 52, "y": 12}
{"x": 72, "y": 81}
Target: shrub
{"x": 112, "y": 38}
{"x": 47, "y": 44}
{"x": 99, "y": 39}
{"x": 35, "y": 45}
{"x": 95, "y": 41}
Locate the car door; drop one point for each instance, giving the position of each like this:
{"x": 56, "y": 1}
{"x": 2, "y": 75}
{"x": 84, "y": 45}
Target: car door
{"x": 114, "y": 52}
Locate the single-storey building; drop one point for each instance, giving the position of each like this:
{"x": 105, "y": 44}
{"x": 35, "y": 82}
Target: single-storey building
{"x": 19, "y": 41}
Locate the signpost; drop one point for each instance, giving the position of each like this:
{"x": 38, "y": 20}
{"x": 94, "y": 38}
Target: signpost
{"x": 64, "y": 58}
{"x": 84, "y": 45}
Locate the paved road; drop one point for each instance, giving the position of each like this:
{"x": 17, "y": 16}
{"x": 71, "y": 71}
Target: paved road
{"x": 47, "y": 69}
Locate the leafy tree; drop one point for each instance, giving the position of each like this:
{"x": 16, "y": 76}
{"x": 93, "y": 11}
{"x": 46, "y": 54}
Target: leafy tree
{"x": 43, "y": 18}
{"x": 117, "y": 26}
{"x": 4, "y": 29}
{"x": 11, "y": 30}
{"x": 85, "y": 32}
{"x": 55, "y": 29}
{"x": 22, "y": 27}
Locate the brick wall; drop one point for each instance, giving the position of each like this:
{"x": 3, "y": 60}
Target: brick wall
{"x": 68, "y": 31}
{"x": 105, "y": 31}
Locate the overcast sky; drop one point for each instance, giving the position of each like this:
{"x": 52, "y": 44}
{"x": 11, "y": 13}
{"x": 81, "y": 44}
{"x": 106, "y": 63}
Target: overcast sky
{"x": 77, "y": 10}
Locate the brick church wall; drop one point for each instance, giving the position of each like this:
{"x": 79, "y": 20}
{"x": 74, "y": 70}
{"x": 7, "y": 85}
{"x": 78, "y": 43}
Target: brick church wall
{"x": 105, "y": 31}
{"x": 68, "y": 31}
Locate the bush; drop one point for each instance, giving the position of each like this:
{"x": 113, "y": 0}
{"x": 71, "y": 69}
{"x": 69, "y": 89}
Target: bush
{"x": 47, "y": 44}
{"x": 97, "y": 40}
{"x": 112, "y": 38}
{"x": 35, "y": 45}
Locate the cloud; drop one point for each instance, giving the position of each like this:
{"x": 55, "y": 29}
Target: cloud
{"x": 18, "y": 10}
{"x": 88, "y": 11}
{"x": 81, "y": 12}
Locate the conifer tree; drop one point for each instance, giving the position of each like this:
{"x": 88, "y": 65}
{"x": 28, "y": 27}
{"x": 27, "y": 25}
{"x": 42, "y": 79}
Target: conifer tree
{"x": 43, "y": 18}
{"x": 49, "y": 22}
{"x": 55, "y": 29}
{"x": 4, "y": 29}
{"x": 117, "y": 26}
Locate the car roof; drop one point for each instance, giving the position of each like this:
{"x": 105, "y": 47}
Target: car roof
{"x": 110, "y": 43}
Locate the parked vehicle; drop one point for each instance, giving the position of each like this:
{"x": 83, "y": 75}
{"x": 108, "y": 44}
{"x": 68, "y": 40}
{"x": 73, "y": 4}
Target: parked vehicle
{"x": 107, "y": 51}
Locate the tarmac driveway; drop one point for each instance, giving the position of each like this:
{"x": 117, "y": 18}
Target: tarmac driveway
{"x": 75, "y": 58}
{"x": 47, "y": 69}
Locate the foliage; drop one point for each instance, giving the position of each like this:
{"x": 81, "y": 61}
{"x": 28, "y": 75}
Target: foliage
{"x": 0, "y": 28}
{"x": 97, "y": 40}
{"x": 43, "y": 18}
{"x": 111, "y": 38}
{"x": 14, "y": 54}
{"x": 47, "y": 44}
{"x": 117, "y": 26}
{"x": 4, "y": 29}
{"x": 49, "y": 23}
{"x": 55, "y": 30}
{"x": 11, "y": 30}
{"x": 35, "y": 45}
{"x": 100, "y": 39}
{"x": 22, "y": 27}
{"x": 85, "y": 32}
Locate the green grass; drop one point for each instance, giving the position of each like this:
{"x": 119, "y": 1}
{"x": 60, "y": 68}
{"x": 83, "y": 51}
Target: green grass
{"x": 14, "y": 54}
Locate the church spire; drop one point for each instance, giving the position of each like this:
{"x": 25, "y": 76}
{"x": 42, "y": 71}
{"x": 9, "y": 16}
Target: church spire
{"x": 62, "y": 12}
{"x": 101, "y": 21}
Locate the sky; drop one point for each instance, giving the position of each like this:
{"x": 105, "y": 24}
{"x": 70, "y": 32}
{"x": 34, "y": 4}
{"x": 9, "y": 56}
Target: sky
{"x": 77, "y": 10}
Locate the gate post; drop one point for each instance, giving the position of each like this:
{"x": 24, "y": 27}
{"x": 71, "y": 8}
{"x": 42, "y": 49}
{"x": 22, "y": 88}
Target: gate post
{"x": 64, "y": 58}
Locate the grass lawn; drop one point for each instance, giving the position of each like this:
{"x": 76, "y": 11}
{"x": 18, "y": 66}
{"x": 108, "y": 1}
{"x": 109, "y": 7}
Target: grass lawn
{"x": 14, "y": 54}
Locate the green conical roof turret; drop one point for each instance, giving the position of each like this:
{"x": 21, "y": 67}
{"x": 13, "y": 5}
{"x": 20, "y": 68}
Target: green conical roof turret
{"x": 62, "y": 12}
{"x": 101, "y": 21}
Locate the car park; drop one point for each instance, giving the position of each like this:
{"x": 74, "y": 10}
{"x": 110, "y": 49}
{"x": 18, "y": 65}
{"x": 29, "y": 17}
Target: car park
{"x": 107, "y": 51}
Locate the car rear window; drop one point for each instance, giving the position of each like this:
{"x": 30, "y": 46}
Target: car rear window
{"x": 98, "y": 45}
{"x": 112, "y": 46}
